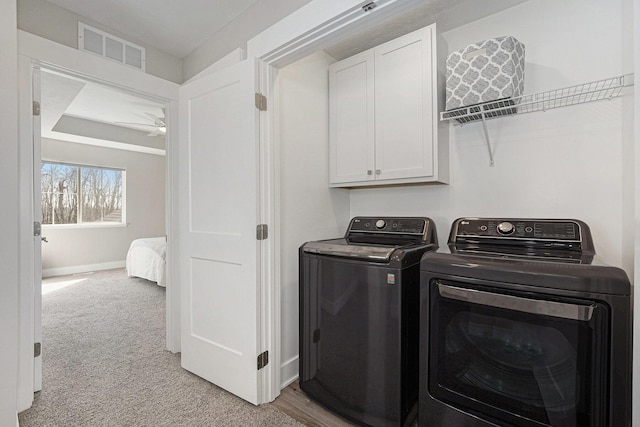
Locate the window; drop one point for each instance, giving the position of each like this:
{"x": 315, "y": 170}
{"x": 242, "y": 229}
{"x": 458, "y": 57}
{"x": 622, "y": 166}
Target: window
{"x": 75, "y": 194}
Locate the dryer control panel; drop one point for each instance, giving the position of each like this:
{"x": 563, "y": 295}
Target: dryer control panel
{"x": 526, "y": 232}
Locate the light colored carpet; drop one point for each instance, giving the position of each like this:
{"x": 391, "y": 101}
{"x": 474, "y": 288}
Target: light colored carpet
{"x": 105, "y": 363}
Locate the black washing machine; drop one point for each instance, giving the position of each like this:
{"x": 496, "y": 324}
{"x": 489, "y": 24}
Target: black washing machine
{"x": 520, "y": 325}
{"x": 359, "y": 310}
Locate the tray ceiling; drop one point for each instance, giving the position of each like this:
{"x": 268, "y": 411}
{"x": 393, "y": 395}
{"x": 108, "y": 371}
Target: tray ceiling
{"x": 84, "y": 112}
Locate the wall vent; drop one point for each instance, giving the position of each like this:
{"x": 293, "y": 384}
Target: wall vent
{"x": 111, "y": 47}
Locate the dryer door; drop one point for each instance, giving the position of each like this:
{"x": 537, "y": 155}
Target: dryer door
{"x": 520, "y": 358}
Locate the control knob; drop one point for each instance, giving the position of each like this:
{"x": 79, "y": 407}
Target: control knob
{"x": 506, "y": 228}
{"x": 380, "y": 224}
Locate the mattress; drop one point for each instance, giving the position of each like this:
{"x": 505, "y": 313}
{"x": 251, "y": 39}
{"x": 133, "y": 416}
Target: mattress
{"x": 146, "y": 258}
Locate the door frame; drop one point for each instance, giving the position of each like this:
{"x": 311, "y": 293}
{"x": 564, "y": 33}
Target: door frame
{"x": 38, "y": 53}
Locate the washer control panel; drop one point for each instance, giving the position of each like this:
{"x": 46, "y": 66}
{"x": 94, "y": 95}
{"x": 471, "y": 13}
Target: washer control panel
{"x": 388, "y": 225}
{"x": 525, "y": 229}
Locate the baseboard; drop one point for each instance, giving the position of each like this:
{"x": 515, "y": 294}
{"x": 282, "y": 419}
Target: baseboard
{"x": 63, "y": 271}
{"x": 289, "y": 372}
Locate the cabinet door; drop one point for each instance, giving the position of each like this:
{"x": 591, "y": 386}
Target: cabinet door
{"x": 404, "y": 109}
{"x": 351, "y": 131}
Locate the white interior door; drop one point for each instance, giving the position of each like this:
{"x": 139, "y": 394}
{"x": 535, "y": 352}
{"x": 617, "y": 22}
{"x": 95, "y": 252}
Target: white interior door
{"x": 219, "y": 170}
{"x": 30, "y": 259}
{"x": 37, "y": 249}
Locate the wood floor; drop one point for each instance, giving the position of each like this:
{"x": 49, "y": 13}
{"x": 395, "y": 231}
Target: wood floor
{"x": 293, "y": 402}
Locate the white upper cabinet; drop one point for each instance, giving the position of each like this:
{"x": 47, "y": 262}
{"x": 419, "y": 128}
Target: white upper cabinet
{"x": 351, "y": 119}
{"x": 383, "y": 121}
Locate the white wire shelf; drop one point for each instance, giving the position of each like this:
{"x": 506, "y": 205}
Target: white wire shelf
{"x": 573, "y": 95}
{"x": 543, "y": 101}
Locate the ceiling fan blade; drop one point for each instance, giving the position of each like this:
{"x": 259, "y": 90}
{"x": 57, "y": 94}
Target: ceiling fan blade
{"x": 157, "y": 132}
{"x": 158, "y": 121}
{"x": 136, "y": 124}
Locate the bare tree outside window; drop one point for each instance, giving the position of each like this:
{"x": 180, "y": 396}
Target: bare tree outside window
{"x": 73, "y": 194}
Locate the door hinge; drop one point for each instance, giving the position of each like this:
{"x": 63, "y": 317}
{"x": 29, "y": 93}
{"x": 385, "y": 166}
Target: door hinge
{"x": 37, "y": 229}
{"x": 262, "y": 232}
{"x": 36, "y": 108}
{"x": 261, "y": 102}
{"x": 37, "y": 349}
{"x": 263, "y": 360}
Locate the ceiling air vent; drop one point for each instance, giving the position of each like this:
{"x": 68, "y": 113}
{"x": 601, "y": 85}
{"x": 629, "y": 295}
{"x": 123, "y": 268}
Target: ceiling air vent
{"x": 111, "y": 47}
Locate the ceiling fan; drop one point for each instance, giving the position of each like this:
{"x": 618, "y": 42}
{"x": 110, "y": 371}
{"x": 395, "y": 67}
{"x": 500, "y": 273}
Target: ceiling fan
{"x": 159, "y": 127}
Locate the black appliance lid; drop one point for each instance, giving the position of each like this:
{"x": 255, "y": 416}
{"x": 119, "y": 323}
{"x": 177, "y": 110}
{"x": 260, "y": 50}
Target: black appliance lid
{"x": 377, "y": 238}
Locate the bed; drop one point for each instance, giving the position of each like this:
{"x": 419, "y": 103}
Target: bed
{"x": 146, "y": 259}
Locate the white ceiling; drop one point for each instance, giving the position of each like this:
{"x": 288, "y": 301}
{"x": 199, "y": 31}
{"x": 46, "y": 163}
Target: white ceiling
{"x": 173, "y": 26}
{"x": 105, "y": 105}
{"x": 84, "y": 112}
{"x": 447, "y": 14}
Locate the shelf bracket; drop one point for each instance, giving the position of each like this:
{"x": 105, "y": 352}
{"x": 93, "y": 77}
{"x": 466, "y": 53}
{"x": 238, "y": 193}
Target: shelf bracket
{"x": 542, "y": 101}
{"x": 486, "y": 137}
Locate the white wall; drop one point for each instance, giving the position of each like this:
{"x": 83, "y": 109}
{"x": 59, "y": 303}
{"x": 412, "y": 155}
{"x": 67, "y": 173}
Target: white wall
{"x": 260, "y": 16}
{"x": 70, "y": 250}
{"x": 309, "y": 209}
{"x": 8, "y": 213}
{"x": 52, "y": 22}
{"x": 562, "y": 163}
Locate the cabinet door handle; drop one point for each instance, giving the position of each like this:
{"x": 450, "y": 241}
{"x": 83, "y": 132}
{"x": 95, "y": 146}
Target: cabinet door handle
{"x": 369, "y": 172}
{"x": 377, "y": 171}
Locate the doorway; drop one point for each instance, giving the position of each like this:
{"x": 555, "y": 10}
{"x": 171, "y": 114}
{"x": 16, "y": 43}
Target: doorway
{"x": 103, "y": 173}
{"x": 100, "y": 179}
{"x": 107, "y": 77}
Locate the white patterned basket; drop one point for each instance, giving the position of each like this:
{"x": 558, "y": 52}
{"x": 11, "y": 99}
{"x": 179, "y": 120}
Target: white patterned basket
{"x": 486, "y": 71}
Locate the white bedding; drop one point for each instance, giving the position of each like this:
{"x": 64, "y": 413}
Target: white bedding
{"x": 146, "y": 259}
